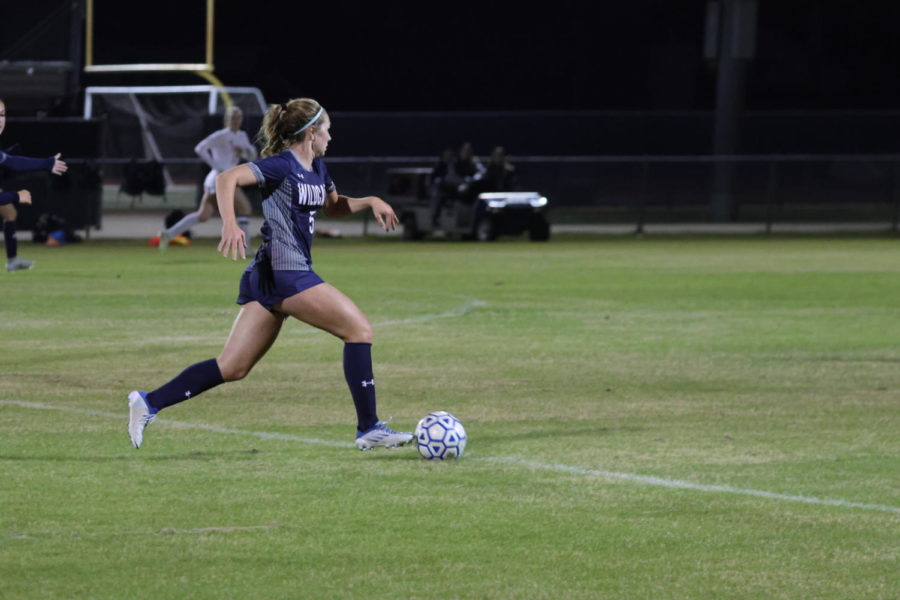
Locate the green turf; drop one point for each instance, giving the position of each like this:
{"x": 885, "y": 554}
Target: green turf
{"x": 765, "y": 365}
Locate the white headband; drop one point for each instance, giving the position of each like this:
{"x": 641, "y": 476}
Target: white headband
{"x": 313, "y": 120}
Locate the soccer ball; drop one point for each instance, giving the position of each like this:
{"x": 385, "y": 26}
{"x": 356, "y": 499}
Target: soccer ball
{"x": 440, "y": 435}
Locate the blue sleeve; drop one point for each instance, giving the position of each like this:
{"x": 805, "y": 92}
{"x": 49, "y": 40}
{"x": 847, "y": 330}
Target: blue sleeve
{"x": 8, "y": 197}
{"x": 23, "y": 163}
{"x": 271, "y": 170}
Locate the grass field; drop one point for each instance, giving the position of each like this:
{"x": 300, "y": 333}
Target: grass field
{"x": 659, "y": 418}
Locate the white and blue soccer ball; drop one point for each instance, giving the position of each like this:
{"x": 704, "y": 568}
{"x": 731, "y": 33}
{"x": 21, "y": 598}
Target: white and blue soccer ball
{"x": 440, "y": 435}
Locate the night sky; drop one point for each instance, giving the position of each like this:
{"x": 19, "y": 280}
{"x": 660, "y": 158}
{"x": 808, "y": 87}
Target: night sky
{"x": 400, "y": 56}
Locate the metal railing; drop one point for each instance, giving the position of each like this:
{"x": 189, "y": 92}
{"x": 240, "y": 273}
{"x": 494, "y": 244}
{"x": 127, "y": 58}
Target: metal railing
{"x": 639, "y": 190}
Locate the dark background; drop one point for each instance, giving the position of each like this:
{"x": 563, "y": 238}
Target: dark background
{"x": 607, "y": 105}
{"x": 463, "y": 56}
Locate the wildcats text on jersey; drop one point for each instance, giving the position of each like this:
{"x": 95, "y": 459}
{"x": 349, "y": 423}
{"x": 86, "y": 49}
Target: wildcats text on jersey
{"x": 310, "y": 195}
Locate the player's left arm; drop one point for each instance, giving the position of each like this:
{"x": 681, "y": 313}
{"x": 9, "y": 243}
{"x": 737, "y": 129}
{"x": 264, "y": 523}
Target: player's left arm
{"x": 341, "y": 206}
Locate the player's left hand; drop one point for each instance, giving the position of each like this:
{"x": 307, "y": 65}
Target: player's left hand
{"x": 384, "y": 214}
{"x": 59, "y": 167}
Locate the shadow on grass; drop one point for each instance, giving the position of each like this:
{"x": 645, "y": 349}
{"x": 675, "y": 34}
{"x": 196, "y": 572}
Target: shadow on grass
{"x": 499, "y": 440}
{"x": 408, "y": 453}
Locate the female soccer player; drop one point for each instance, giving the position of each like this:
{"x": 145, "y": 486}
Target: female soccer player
{"x": 8, "y": 211}
{"x": 279, "y": 282}
{"x": 221, "y": 150}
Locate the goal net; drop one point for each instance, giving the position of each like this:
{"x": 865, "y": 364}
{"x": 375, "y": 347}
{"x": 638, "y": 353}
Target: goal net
{"x": 164, "y": 123}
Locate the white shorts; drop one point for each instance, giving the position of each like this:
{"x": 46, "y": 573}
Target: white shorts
{"x": 209, "y": 184}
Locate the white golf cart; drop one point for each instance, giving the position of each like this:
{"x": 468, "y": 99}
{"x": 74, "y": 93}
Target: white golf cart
{"x": 489, "y": 216}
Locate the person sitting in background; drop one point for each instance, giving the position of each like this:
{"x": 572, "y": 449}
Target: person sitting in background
{"x": 499, "y": 175}
{"x": 444, "y": 170}
{"x": 443, "y": 182}
{"x": 470, "y": 171}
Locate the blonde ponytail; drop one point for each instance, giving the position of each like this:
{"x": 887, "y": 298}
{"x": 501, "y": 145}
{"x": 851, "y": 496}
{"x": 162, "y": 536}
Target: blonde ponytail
{"x": 285, "y": 124}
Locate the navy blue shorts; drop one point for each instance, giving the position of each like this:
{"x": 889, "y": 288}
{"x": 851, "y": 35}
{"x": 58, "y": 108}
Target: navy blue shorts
{"x": 287, "y": 283}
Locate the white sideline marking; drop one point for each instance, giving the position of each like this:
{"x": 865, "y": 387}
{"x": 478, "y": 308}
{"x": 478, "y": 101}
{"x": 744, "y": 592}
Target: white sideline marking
{"x": 460, "y": 311}
{"x": 181, "y": 424}
{"x": 632, "y": 477}
{"x": 690, "y": 485}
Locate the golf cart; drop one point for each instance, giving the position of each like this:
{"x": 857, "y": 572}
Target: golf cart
{"x": 489, "y": 215}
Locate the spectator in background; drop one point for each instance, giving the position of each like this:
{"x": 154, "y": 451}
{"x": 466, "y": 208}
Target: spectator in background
{"x": 444, "y": 170}
{"x": 443, "y": 182}
{"x": 499, "y": 175}
{"x": 469, "y": 169}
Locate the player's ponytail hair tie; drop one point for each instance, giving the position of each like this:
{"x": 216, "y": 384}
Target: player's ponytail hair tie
{"x": 311, "y": 121}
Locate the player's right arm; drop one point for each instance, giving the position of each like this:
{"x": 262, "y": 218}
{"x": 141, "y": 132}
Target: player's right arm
{"x": 25, "y": 163}
{"x": 227, "y": 182}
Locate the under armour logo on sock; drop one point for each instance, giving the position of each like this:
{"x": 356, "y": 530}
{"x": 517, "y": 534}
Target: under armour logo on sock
{"x": 187, "y": 394}
{"x": 368, "y": 383}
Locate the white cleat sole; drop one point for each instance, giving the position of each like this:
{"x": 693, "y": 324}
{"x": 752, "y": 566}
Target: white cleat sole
{"x": 364, "y": 446}
{"x": 137, "y": 418}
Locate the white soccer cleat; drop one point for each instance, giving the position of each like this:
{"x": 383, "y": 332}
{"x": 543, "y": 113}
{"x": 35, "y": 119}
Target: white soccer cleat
{"x": 140, "y": 414}
{"x": 380, "y": 435}
{"x": 18, "y": 264}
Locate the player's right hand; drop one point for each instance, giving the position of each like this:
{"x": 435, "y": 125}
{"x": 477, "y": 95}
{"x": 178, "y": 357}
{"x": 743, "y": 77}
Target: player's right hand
{"x": 232, "y": 242}
{"x": 59, "y": 167}
{"x": 24, "y": 197}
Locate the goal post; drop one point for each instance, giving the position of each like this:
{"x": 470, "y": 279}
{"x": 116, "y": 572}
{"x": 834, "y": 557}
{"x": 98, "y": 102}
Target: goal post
{"x": 164, "y": 123}
{"x": 252, "y": 101}
{"x": 158, "y": 122}
{"x": 195, "y": 67}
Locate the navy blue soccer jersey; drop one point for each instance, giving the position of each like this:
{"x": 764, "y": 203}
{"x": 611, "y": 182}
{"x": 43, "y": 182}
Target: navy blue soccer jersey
{"x": 291, "y": 197}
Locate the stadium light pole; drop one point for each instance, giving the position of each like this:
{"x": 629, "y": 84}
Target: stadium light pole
{"x": 76, "y": 51}
{"x": 731, "y": 40}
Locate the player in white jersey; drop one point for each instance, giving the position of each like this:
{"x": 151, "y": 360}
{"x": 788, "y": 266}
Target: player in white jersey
{"x": 221, "y": 150}
{"x": 280, "y": 282}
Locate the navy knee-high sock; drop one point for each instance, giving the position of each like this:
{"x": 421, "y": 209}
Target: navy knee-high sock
{"x": 358, "y": 372}
{"x": 9, "y": 239}
{"x": 194, "y": 380}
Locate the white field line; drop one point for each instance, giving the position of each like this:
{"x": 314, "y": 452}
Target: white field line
{"x": 468, "y": 304}
{"x": 690, "y": 485}
{"x": 557, "y": 468}
{"x": 180, "y": 424}
{"x": 459, "y": 311}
